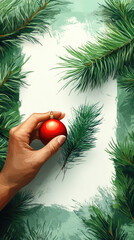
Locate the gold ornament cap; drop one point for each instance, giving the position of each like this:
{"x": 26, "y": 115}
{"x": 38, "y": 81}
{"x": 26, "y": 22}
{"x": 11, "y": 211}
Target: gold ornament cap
{"x": 51, "y": 115}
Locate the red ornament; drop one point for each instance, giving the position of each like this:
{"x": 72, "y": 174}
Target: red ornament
{"x": 51, "y": 129}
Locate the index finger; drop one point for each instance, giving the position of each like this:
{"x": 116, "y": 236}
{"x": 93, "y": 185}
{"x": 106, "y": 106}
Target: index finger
{"x": 30, "y": 123}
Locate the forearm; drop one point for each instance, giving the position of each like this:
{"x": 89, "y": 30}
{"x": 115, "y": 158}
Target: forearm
{"x": 7, "y": 192}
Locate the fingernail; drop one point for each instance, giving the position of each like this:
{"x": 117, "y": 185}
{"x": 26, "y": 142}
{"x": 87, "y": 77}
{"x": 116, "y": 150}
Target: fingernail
{"x": 61, "y": 139}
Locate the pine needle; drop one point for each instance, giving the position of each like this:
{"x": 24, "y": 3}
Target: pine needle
{"x": 80, "y": 139}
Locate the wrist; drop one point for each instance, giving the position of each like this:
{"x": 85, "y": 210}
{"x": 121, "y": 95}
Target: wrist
{"x": 8, "y": 186}
{"x": 7, "y": 191}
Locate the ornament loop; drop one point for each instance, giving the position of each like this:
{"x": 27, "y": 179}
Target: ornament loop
{"x": 51, "y": 115}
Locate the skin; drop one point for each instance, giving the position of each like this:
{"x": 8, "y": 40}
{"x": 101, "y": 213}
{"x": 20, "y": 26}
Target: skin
{"x": 23, "y": 162}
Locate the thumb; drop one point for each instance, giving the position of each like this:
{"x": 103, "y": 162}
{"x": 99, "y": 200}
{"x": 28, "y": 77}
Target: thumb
{"x": 51, "y": 148}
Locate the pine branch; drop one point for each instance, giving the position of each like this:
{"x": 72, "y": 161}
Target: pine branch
{"x": 122, "y": 154}
{"x": 39, "y": 231}
{"x": 80, "y": 139}
{"x": 92, "y": 64}
{"x": 8, "y": 120}
{"x": 12, "y": 216}
{"x": 126, "y": 80}
{"x": 11, "y": 79}
{"x": 28, "y": 18}
{"x": 103, "y": 226}
{"x": 117, "y": 11}
{"x": 102, "y": 219}
{"x": 124, "y": 194}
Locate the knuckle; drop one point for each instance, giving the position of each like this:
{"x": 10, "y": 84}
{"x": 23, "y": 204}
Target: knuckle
{"x": 11, "y": 132}
{"x": 34, "y": 116}
{"x": 14, "y": 134}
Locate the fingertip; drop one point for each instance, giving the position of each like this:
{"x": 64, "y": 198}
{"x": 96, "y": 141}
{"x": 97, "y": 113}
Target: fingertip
{"x": 61, "y": 139}
{"x": 62, "y": 116}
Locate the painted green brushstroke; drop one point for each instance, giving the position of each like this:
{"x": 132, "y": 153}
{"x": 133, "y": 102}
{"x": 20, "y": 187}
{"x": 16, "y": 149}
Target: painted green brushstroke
{"x": 125, "y": 114}
{"x": 83, "y": 11}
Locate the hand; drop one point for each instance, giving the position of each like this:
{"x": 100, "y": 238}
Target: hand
{"x": 23, "y": 162}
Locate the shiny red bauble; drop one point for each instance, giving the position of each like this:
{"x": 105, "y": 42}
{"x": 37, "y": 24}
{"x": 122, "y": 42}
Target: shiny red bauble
{"x": 51, "y": 129}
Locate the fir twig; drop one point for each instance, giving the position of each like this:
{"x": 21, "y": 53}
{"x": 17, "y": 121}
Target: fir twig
{"x": 117, "y": 11}
{"x": 28, "y": 18}
{"x": 124, "y": 194}
{"x": 122, "y": 154}
{"x": 126, "y": 80}
{"x": 8, "y": 120}
{"x": 102, "y": 226}
{"x": 25, "y": 23}
{"x": 82, "y": 129}
{"x": 11, "y": 217}
{"x": 11, "y": 78}
{"x": 39, "y": 231}
{"x": 92, "y": 64}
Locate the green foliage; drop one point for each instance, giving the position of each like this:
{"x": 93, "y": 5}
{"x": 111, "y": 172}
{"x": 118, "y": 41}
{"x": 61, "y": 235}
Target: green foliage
{"x": 104, "y": 226}
{"x": 39, "y": 231}
{"x": 126, "y": 80}
{"x": 30, "y": 17}
{"x": 101, "y": 219}
{"x": 122, "y": 154}
{"x": 3, "y": 151}
{"x": 92, "y": 64}
{"x": 131, "y": 135}
{"x": 129, "y": 228}
{"x": 124, "y": 194}
{"x": 11, "y": 217}
{"x": 8, "y": 120}
{"x": 118, "y": 12}
{"x": 11, "y": 78}
{"x": 81, "y": 134}
{"x": 6, "y": 6}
